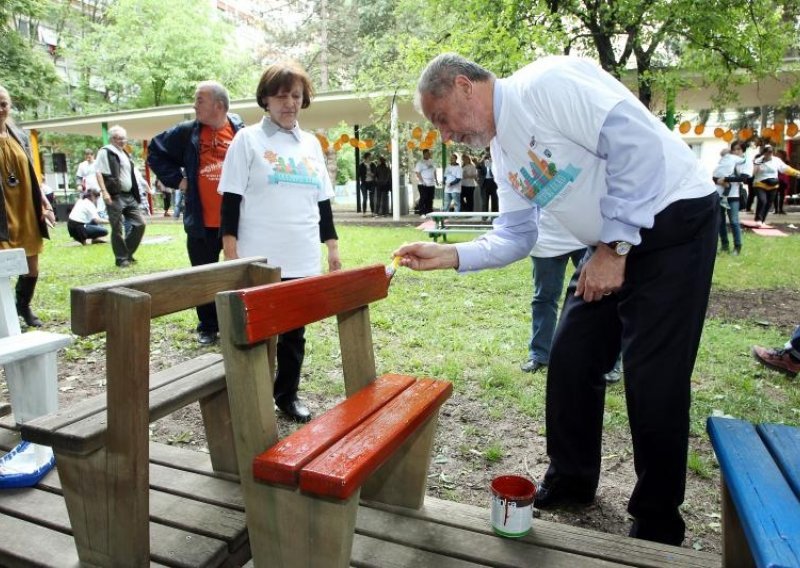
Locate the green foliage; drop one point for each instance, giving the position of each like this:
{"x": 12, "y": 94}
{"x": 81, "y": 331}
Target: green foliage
{"x": 27, "y": 72}
{"x": 150, "y": 52}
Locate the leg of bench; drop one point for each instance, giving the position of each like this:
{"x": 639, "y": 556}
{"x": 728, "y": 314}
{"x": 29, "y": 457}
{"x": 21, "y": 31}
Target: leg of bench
{"x": 33, "y": 386}
{"x": 735, "y": 550}
{"x": 219, "y": 432}
{"x": 291, "y": 529}
{"x": 403, "y": 479}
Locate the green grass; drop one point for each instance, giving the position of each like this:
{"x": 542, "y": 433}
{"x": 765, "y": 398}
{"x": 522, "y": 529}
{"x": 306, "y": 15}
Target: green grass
{"x": 472, "y": 330}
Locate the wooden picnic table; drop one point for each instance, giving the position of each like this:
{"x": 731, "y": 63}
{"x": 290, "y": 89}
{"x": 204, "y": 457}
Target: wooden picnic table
{"x": 446, "y": 222}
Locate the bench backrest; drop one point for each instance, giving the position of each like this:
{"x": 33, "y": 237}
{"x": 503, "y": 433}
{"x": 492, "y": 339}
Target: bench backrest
{"x": 266, "y": 311}
{"x": 249, "y": 323}
{"x": 12, "y": 263}
{"x": 169, "y": 292}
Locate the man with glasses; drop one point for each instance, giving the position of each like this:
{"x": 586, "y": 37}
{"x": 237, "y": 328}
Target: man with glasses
{"x": 116, "y": 177}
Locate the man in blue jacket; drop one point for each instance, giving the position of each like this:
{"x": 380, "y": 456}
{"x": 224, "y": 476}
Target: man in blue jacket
{"x": 189, "y": 156}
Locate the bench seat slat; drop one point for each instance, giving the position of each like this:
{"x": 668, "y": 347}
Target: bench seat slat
{"x": 282, "y": 462}
{"x": 783, "y": 443}
{"x": 768, "y": 509}
{"x": 83, "y": 430}
{"x": 347, "y": 464}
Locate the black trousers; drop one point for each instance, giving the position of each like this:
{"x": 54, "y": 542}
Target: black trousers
{"x": 290, "y": 354}
{"x": 205, "y": 250}
{"x": 656, "y": 318}
{"x": 489, "y": 193}
{"x": 426, "y": 193}
{"x": 368, "y": 192}
{"x": 765, "y": 198}
{"x": 467, "y": 198}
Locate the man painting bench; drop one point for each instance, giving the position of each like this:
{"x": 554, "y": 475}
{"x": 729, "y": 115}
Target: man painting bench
{"x": 302, "y": 496}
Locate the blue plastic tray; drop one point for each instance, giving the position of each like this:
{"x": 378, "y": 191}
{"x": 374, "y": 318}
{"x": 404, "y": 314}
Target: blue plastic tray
{"x": 25, "y": 465}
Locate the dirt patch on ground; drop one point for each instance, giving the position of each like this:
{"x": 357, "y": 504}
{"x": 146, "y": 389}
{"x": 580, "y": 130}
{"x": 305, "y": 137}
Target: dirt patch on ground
{"x": 460, "y": 472}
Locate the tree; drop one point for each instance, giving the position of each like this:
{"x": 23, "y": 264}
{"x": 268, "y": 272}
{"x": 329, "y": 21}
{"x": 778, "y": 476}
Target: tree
{"x": 151, "y": 52}
{"x": 24, "y": 70}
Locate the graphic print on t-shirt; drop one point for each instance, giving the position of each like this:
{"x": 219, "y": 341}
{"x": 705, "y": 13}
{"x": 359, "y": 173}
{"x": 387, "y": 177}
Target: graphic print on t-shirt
{"x": 304, "y": 172}
{"x": 541, "y": 181}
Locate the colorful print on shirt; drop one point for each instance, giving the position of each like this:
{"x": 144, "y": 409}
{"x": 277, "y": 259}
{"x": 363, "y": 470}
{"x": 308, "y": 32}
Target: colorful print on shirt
{"x": 304, "y": 172}
{"x": 541, "y": 180}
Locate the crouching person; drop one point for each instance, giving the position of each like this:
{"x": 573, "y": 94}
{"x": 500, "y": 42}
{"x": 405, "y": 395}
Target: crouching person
{"x": 85, "y": 224}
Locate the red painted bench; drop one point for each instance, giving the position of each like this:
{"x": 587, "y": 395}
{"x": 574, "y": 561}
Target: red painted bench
{"x": 302, "y": 498}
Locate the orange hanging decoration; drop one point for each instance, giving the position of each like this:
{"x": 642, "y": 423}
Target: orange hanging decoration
{"x": 344, "y": 138}
{"x": 354, "y": 142}
{"x": 337, "y": 145}
{"x": 411, "y": 144}
{"x": 369, "y": 143}
{"x": 699, "y": 129}
{"x": 766, "y": 132}
{"x": 416, "y": 133}
{"x": 718, "y": 132}
{"x": 684, "y": 127}
{"x": 791, "y": 130}
{"x": 728, "y": 136}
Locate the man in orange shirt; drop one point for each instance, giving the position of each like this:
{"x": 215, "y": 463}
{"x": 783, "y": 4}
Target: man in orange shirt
{"x": 189, "y": 157}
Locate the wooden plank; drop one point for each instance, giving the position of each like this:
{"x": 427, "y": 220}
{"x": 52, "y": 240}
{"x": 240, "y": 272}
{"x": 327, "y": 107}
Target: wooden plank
{"x": 344, "y": 467}
{"x": 355, "y": 344}
{"x": 171, "y": 291}
{"x": 216, "y": 411}
{"x": 472, "y": 546}
{"x": 369, "y": 552}
{"x": 277, "y": 308}
{"x": 766, "y": 505}
{"x": 203, "y": 488}
{"x": 26, "y": 544}
{"x": 282, "y": 462}
{"x": 735, "y": 550}
{"x": 18, "y": 347}
{"x": 783, "y": 442}
{"x": 173, "y": 546}
{"x": 83, "y": 428}
{"x": 47, "y": 429}
{"x": 581, "y": 541}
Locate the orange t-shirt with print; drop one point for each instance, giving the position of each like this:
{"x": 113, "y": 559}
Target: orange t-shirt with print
{"x": 213, "y": 147}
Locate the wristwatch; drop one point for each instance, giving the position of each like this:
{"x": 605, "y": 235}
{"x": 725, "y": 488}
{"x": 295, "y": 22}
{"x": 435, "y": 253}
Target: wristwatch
{"x": 621, "y": 248}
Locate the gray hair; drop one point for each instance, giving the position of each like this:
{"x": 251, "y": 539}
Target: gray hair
{"x": 117, "y": 130}
{"x": 439, "y": 75}
{"x": 219, "y": 92}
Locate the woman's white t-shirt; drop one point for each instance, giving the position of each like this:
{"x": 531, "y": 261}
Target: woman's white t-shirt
{"x": 281, "y": 176}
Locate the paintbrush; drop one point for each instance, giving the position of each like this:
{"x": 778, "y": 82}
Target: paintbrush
{"x": 392, "y": 268}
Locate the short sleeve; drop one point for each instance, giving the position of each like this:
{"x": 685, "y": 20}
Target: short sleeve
{"x": 236, "y": 167}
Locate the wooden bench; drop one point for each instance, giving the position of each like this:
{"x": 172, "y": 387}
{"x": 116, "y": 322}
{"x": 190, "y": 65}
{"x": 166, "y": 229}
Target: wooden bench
{"x": 302, "y": 497}
{"x": 446, "y": 223}
{"x": 29, "y": 359}
{"x": 101, "y": 444}
{"x": 760, "y": 492}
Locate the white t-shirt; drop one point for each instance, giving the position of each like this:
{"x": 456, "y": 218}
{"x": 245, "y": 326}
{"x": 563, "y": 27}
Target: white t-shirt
{"x": 83, "y": 211}
{"x": 769, "y": 169}
{"x": 554, "y": 239}
{"x": 101, "y": 166}
{"x": 281, "y": 176}
{"x": 86, "y": 173}
{"x": 545, "y": 151}
{"x": 452, "y": 172}
{"x": 427, "y": 171}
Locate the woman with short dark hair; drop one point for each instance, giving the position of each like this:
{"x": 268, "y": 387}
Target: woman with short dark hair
{"x": 276, "y": 204}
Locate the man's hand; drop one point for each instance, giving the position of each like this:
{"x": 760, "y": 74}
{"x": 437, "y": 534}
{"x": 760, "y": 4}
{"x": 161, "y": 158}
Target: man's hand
{"x": 427, "y": 256}
{"x": 602, "y": 275}
{"x": 334, "y": 261}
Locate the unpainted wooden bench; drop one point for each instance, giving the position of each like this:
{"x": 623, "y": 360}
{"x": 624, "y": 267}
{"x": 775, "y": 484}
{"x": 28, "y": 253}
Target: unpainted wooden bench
{"x": 446, "y": 223}
{"x": 101, "y": 444}
{"x": 302, "y": 497}
{"x": 760, "y": 468}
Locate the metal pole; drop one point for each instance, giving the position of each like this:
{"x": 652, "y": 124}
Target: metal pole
{"x": 396, "y": 208}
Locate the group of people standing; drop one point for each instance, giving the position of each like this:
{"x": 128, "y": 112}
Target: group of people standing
{"x": 743, "y": 176}
{"x": 374, "y": 186}
{"x": 461, "y": 183}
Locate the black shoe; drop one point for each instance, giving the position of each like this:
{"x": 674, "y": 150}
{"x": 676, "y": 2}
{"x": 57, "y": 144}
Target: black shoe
{"x": 30, "y": 318}
{"x": 664, "y": 530}
{"x": 531, "y": 366}
{"x": 206, "y": 337}
{"x": 124, "y": 263}
{"x": 557, "y": 492}
{"x": 295, "y": 410}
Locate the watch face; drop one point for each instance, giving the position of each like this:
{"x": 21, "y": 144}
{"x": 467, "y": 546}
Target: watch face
{"x": 622, "y": 248}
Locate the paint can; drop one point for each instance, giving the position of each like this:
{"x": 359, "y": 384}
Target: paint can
{"x": 512, "y": 505}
